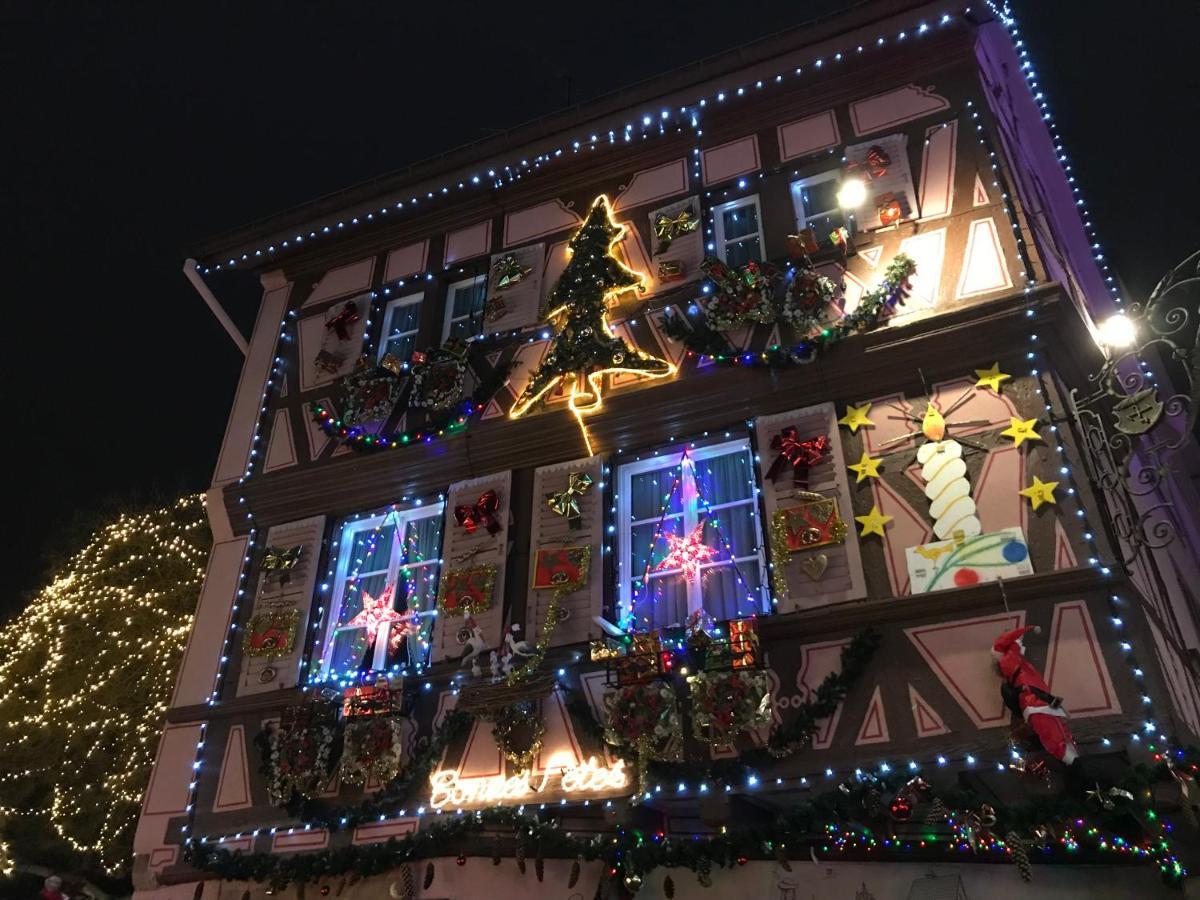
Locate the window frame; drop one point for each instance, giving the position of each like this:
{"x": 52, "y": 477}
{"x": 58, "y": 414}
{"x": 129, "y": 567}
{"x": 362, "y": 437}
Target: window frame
{"x": 449, "y": 318}
{"x": 349, "y": 531}
{"x": 415, "y": 299}
{"x": 624, "y": 479}
{"x": 796, "y": 185}
{"x": 720, "y": 245}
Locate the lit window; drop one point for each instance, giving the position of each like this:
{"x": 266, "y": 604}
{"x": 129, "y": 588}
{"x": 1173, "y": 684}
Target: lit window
{"x": 465, "y": 301}
{"x": 399, "y": 549}
{"x": 815, "y": 201}
{"x": 738, "y": 231}
{"x": 401, "y": 321}
{"x": 673, "y": 496}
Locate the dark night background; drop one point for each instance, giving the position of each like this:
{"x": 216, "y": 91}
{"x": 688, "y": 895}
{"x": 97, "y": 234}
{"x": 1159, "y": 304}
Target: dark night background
{"x": 130, "y": 131}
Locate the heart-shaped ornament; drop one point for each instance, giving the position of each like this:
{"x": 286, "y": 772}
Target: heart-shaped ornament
{"x": 814, "y": 566}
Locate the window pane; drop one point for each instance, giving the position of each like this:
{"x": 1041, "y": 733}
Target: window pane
{"x": 742, "y": 252}
{"x": 369, "y": 551}
{"x": 418, "y": 585}
{"x": 421, "y": 539}
{"x": 401, "y": 347}
{"x": 820, "y": 197}
{"x": 740, "y": 222}
{"x": 823, "y": 225}
{"x": 350, "y": 651}
{"x": 664, "y": 603}
{"x": 736, "y": 525}
{"x": 649, "y": 492}
{"x": 404, "y": 318}
{"x": 731, "y": 593}
{"x": 469, "y": 299}
{"x": 723, "y": 479}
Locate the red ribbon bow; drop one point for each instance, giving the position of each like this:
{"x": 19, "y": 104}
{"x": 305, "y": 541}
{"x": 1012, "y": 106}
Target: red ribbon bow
{"x": 482, "y": 513}
{"x": 800, "y": 455}
{"x": 342, "y": 321}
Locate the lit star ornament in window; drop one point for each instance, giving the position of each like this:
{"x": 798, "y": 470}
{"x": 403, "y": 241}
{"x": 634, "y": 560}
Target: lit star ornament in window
{"x": 687, "y": 553}
{"x": 377, "y": 613}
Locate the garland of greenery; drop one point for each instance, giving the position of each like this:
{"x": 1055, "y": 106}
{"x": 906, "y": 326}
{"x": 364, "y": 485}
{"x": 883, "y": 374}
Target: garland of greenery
{"x": 699, "y": 337}
{"x": 440, "y": 424}
{"x": 846, "y": 815}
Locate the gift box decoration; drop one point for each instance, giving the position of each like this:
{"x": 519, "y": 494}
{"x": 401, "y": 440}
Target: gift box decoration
{"x": 671, "y": 270}
{"x": 643, "y": 659}
{"x": 563, "y": 569}
{"x": 813, "y": 523}
{"x": 466, "y": 591}
{"x": 371, "y": 700}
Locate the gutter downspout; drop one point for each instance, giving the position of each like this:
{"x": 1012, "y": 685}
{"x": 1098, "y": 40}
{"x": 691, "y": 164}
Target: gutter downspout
{"x": 193, "y": 275}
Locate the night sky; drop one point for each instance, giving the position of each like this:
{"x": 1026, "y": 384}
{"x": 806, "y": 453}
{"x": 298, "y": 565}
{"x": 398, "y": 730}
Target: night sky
{"x": 130, "y": 131}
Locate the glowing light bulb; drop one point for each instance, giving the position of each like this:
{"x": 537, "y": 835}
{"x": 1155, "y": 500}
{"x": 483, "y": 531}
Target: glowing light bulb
{"x": 852, "y": 193}
{"x": 1116, "y": 331}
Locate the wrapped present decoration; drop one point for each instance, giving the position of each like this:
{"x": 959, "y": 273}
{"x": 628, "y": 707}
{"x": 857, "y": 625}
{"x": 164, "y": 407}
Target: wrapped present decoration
{"x": 643, "y": 659}
{"x": 381, "y": 698}
{"x": 803, "y": 244}
{"x": 889, "y": 209}
{"x": 466, "y": 591}
{"x": 391, "y": 364}
{"x": 814, "y": 523}
{"x": 325, "y": 361}
{"x": 671, "y": 270}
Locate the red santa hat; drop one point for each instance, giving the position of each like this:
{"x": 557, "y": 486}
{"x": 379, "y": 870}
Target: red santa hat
{"x": 1006, "y": 640}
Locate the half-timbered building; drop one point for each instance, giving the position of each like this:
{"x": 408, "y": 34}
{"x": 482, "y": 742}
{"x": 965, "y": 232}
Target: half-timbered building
{"x": 725, "y": 631}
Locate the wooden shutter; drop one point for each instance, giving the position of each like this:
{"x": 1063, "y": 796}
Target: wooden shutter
{"x": 288, "y": 599}
{"x": 896, "y": 181}
{"x": 548, "y": 530}
{"x": 515, "y": 306}
{"x": 462, "y": 549}
{"x": 686, "y": 250}
{"x": 842, "y": 578}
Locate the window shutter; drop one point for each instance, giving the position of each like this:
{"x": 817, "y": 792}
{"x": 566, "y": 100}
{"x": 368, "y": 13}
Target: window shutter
{"x": 515, "y": 306}
{"x": 680, "y": 261}
{"x": 281, "y": 607}
{"x": 831, "y": 573}
{"x": 550, "y": 531}
{"x": 894, "y": 184}
{"x": 462, "y": 550}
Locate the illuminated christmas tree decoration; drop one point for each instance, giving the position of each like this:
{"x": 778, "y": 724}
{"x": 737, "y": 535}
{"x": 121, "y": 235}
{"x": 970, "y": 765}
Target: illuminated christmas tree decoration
{"x": 584, "y": 347}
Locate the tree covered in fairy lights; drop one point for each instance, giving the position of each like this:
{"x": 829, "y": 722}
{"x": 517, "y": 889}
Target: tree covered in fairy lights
{"x": 86, "y": 673}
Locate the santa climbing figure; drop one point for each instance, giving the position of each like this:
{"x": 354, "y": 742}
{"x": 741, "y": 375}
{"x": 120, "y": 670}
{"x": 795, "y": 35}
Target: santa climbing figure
{"x": 1027, "y": 694}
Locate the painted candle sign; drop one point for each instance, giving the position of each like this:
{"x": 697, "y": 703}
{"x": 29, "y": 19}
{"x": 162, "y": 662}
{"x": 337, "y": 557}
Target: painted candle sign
{"x": 965, "y": 561}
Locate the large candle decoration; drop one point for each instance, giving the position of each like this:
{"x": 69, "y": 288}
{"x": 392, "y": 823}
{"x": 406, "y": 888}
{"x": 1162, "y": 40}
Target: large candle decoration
{"x": 945, "y": 477}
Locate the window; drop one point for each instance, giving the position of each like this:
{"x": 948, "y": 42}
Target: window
{"x": 739, "y": 231}
{"x": 401, "y": 321}
{"x": 465, "y": 301}
{"x": 673, "y": 495}
{"x": 398, "y": 548}
{"x": 815, "y": 200}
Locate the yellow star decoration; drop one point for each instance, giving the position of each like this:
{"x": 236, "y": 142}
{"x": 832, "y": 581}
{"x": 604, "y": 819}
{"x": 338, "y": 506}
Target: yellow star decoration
{"x": 873, "y": 522}
{"x": 856, "y": 416}
{"x": 1039, "y": 492}
{"x": 991, "y": 378}
{"x": 867, "y": 467}
{"x": 1021, "y": 430}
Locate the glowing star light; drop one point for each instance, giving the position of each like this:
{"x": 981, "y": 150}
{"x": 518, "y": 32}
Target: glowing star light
{"x": 856, "y": 416}
{"x": 991, "y": 378}
{"x": 1022, "y": 430}
{"x": 1039, "y": 492}
{"x": 376, "y": 613}
{"x": 687, "y": 553}
{"x": 873, "y": 522}
{"x": 867, "y": 467}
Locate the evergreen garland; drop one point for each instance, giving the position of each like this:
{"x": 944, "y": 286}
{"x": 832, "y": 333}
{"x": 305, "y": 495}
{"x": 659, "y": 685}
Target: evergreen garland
{"x": 697, "y": 335}
{"x": 804, "y": 824}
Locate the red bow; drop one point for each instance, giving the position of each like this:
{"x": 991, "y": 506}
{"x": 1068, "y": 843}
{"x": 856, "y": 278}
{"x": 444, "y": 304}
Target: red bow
{"x": 798, "y": 454}
{"x": 342, "y": 321}
{"x": 482, "y": 513}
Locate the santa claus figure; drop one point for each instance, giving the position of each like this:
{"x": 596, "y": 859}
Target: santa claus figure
{"x": 1027, "y": 694}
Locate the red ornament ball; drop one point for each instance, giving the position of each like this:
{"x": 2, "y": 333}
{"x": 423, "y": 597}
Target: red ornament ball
{"x": 461, "y": 859}
{"x": 741, "y": 860}
{"x": 324, "y": 890}
{"x": 901, "y": 809}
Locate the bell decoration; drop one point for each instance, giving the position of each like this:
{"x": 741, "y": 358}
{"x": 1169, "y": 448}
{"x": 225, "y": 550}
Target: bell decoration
{"x": 461, "y": 859}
